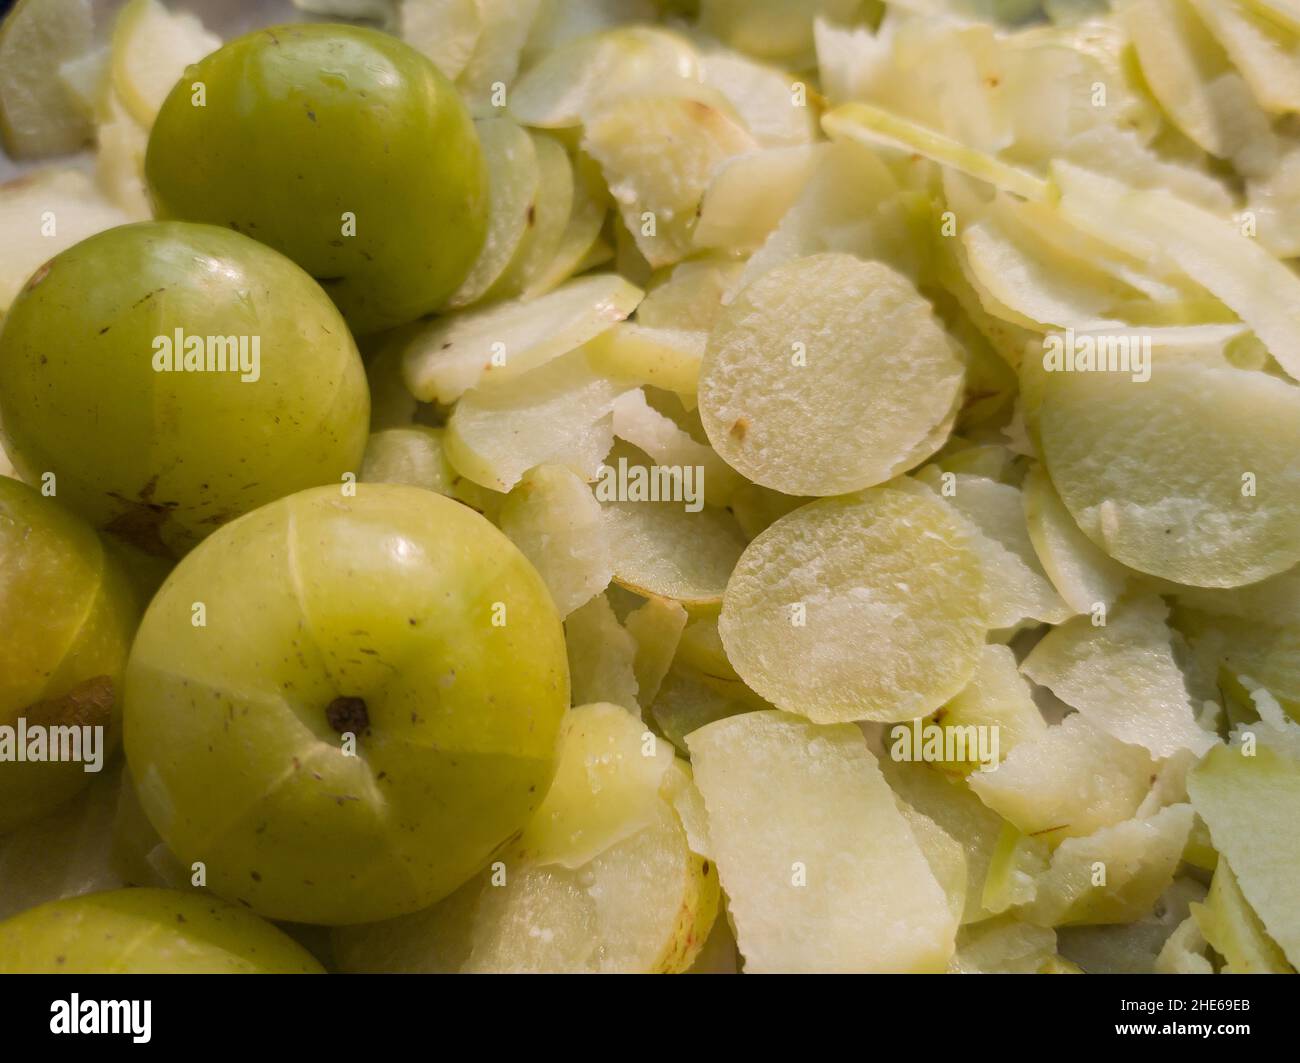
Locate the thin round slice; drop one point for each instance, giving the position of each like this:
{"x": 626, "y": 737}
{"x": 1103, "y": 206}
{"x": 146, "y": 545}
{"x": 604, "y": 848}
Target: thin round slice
{"x": 151, "y": 49}
{"x": 499, "y": 342}
{"x": 823, "y": 374}
{"x": 866, "y": 607}
{"x": 513, "y": 177}
{"x": 1223, "y": 506}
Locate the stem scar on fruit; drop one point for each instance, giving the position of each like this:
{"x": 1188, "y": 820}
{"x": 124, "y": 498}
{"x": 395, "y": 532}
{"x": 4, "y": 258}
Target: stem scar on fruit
{"x": 348, "y": 714}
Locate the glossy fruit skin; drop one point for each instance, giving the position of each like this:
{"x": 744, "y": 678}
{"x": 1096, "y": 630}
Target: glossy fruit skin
{"x": 233, "y": 732}
{"x": 147, "y": 931}
{"x": 303, "y": 124}
{"x": 67, "y": 615}
{"x": 161, "y": 459}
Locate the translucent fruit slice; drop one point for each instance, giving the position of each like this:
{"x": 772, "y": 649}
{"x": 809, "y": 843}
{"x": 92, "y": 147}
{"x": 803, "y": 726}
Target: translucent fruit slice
{"x": 38, "y": 116}
{"x": 1230, "y": 925}
{"x": 1137, "y": 860}
{"x": 558, "y": 414}
{"x": 1069, "y": 782}
{"x": 823, "y": 374}
{"x": 497, "y": 343}
{"x": 514, "y": 182}
{"x": 658, "y": 154}
{"x": 1082, "y": 575}
{"x": 447, "y": 31}
{"x": 1248, "y": 793}
{"x": 568, "y": 83}
{"x": 1225, "y": 507}
{"x": 1123, "y": 677}
{"x": 554, "y": 520}
{"x": 151, "y": 49}
{"x": 621, "y": 889}
{"x": 606, "y": 788}
{"x": 873, "y": 125}
{"x": 822, "y": 871}
{"x": 865, "y": 607}
{"x": 602, "y": 656}
{"x": 45, "y": 213}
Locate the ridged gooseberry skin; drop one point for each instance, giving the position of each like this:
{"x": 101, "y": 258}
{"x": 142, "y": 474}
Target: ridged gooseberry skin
{"x": 397, "y": 616}
{"x": 173, "y": 376}
{"x": 341, "y": 147}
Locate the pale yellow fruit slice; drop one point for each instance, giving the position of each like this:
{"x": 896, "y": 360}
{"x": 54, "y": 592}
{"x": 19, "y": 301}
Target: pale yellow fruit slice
{"x": 773, "y": 105}
{"x": 411, "y": 455}
{"x": 750, "y": 194}
{"x": 554, "y": 520}
{"x": 491, "y": 67}
{"x": 1123, "y": 677}
{"x": 119, "y": 158}
{"x": 606, "y": 788}
{"x": 38, "y": 117}
{"x": 862, "y": 607}
{"x": 643, "y": 906}
{"x": 666, "y": 358}
{"x": 1190, "y": 75}
{"x": 679, "y": 789}
{"x": 1070, "y": 782}
{"x": 1004, "y": 945}
{"x": 1251, "y": 804}
{"x": 42, "y": 214}
{"x": 152, "y": 46}
{"x": 689, "y": 698}
{"x": 944, "y": 856}
{"x": 602, "y": 656}
{"x": 1275, "y": 600}
{"x": 1114, "y": 875}
{"x": 560, "y": 414}
{"x": 853, "y": 204}
{"x": 662, "y": 548}
{"x": 771, "y": 29}
{"x": 657, "y": 627}
{"x": 514, "y": 183}
{"x": 1157, "y": 225}
{"x": 658, "y": 154}
{"x": 952, "y": 806}
{"x": 873, "y": 125}
{"x": 1185, "y": 951}
{"x": 1231, "y": 926}
{"x": 497, "y": 343}
{"x": 997, "y": 700}
{"x": 546, "y": 222}
{"x": 1083, "y": 576}
{"x": 689, "y": 296}
{"x": 638, "y": 423}
{"x": 1016, "y": 587}
{"x": 447, "y": 31}
{"x": 581, "y": 232}
{"x": 824, "y": 374}
{"x": 821, "y": 869}
{"x": 1267, "y": 54}
{"x": 568, "y": 83}
{"x": 1225, "y": 509}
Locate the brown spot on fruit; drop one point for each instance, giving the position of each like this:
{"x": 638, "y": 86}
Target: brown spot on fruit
{"x": 88, "y": 704}
{"x": 348, "y": 714}
{"x": 739, "y": 429}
